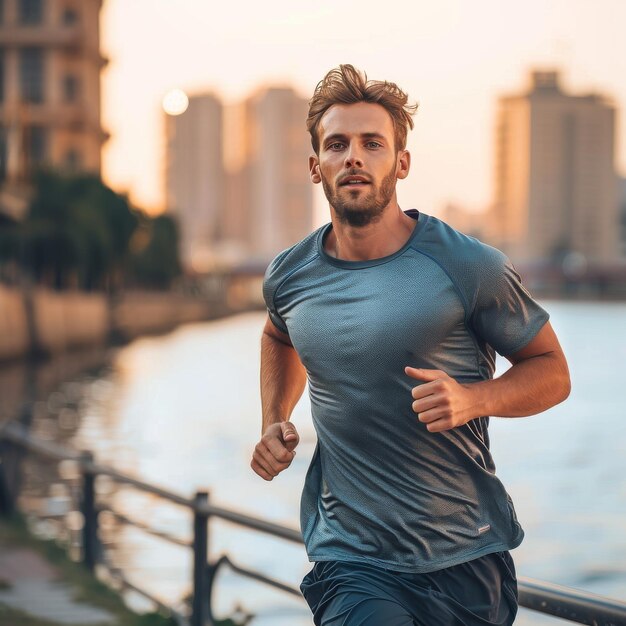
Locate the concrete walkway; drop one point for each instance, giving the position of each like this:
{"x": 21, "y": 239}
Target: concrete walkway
{"x": 32, "y": 585}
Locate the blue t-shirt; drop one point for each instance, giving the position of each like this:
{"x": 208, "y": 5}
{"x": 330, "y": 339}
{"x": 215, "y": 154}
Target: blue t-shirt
{"x": 381, "y": 488}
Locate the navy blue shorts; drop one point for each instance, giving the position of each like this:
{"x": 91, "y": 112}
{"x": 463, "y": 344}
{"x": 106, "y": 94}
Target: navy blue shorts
{"x": 482, "y": 591}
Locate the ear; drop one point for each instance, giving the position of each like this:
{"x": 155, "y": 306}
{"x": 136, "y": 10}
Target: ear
{"x": 314, "y": 169}
{"x": 404, "y": 164}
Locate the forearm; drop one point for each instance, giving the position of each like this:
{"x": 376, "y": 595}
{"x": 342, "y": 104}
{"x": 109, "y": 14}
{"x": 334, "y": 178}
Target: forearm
{"x": 528, "y": 387}
{"x": 282, "y": 380}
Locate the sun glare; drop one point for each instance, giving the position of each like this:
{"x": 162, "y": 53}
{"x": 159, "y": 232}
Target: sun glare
{"x": 175, "y": 102}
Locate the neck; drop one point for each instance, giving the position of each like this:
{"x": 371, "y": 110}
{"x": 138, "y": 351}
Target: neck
{"x": 373, "y": 241}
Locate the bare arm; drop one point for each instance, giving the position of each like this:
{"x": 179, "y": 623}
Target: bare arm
{"x": 282, "y": 382}
{"x": 282, "y": 376}
{"x": 538, "y": 379}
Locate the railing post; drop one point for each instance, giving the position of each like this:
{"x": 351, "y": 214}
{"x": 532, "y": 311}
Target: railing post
{"x": 90, "y": 514}
{"x": 200, "y": 604}
{"x": 7, "y": 504}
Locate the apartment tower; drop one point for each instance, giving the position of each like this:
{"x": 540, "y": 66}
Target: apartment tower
{"x": 195, "y": 178}
{"x": 278, "y": 202}
{"x": 50, "y": 66}
{"x": 555, "y": 179}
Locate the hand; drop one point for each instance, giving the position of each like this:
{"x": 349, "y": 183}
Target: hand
{"x": 275, "y": 451}
{"x": 440, "y": 402}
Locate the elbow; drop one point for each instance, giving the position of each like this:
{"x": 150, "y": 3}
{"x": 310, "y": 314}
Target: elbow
{"x": 564, "y": 384}
{"x": 566, "y": 387}
{"x": 557, "y": 381}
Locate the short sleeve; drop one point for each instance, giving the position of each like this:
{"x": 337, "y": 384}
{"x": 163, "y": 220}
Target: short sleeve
{"x": 505, "y": 315}
{"x": 271, "y": 281}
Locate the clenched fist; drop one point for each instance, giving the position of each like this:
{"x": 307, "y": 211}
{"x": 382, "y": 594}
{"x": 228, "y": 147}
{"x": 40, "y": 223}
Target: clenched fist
{"x": 440, "y": 402}
{"x": 275, "y": 451}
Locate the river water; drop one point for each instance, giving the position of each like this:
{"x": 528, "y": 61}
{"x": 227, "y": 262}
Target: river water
{"x": 182, "y": 411}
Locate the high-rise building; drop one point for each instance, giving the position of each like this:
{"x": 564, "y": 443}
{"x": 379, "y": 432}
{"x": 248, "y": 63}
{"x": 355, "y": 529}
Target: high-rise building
{"x": 50, "y": 64}
{"x": 555, "y": 179}
{"x": 195, "y": 177}
{"x": 278, "y": 190}
{"x": 237, "y": 177}
{"x": 233, "y": 244}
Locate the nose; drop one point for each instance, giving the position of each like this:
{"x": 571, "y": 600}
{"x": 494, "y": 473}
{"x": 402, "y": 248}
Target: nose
{"x": 353, "y": 157}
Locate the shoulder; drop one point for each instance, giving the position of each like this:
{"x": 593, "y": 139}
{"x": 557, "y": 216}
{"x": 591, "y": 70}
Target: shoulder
{"x": 438, "y": 236}
{"x": 457, "y": 250}
{"x": 289, "y": 261}
{"x": 469, "y": 263}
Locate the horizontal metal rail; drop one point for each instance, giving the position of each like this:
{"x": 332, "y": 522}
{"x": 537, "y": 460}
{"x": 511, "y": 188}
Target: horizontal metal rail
{"x": 119, "y": 477}
{"x": 147, "y": 529}
{"x": 276, "y": 530}
{"x": 19, "y": 435}
{"x": 563, "y": 602}
{"x": 213, "y": 568}
{"x": 573, "y": 605}
{"x": 272, "y": 582}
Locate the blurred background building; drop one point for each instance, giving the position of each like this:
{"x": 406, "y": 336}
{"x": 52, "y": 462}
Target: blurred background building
{"x": 250, "y": 199}
{"x": 279, "y": 201}
{"x": 50, "y": 64}
{"x": 556, "y": 186}
{"x": 195, "y": 178}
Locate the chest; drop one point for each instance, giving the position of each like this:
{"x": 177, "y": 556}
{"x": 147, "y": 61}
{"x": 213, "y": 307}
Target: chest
{"x": 372, "y": 316}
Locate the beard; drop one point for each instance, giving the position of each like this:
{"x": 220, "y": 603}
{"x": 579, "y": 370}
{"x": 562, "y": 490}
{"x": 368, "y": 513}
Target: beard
{"x": 361, "y": 211}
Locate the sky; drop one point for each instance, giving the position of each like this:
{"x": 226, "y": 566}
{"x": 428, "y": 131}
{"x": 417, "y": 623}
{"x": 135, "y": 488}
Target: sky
{"x": 454, "y": 57}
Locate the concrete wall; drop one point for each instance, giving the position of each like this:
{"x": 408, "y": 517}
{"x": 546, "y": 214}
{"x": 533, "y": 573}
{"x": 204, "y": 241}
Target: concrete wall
{"x": 69, "y": 319}
{"x": 138, "y": 313}
{"x": 64, "y": 320}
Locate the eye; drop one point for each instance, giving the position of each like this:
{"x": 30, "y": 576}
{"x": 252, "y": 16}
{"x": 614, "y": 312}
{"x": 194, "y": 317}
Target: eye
{"x": 373, "y": 144}
{"x": 337, "y": 145}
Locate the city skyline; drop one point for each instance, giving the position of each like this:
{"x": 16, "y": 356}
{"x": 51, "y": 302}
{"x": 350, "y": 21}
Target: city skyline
{"x": 454, "y": 59}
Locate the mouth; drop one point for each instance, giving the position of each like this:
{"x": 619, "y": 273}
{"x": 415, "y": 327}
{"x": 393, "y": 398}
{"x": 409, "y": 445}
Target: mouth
{"x": 353, "y": 181}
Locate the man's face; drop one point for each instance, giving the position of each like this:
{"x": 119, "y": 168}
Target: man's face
{"x": 357, "y": 163}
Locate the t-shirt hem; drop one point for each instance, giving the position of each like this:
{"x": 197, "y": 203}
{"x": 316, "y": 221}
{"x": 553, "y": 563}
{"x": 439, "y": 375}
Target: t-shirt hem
{"x": 419, "y": 569}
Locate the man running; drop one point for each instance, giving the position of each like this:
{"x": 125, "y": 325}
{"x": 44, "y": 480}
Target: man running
{"x": 394, "y": 318}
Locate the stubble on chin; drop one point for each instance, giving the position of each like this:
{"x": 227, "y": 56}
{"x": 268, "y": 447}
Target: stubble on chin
{"x": 361, "y": 211}
{"x": 351, "y": 214}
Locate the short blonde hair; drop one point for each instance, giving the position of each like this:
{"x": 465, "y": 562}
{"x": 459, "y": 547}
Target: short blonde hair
{"x": 347, "y": 85}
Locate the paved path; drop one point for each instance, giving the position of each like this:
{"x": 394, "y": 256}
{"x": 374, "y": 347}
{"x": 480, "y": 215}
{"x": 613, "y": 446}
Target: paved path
{"x": 34, "y": 588}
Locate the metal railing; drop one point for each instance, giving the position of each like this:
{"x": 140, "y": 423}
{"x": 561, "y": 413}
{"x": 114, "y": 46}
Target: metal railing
{"x": 563, "y": 602}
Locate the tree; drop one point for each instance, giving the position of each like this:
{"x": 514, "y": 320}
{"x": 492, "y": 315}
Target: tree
{"x": 156, "y": 261}
{"x": 80, "y": 233}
